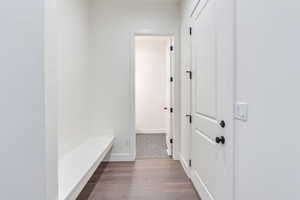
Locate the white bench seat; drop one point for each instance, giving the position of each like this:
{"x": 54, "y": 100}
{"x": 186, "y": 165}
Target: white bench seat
{"x": 77, "y": 166}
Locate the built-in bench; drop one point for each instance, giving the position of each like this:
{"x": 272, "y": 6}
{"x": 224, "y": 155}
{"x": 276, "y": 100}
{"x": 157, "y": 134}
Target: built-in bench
{"x": 76, "y": 167}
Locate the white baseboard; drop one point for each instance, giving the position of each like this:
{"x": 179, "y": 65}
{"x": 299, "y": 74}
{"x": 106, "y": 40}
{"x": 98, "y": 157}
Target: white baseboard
{"x": 169, "y": 152}
{"x": 200, "y": 186}
{"x": 151, "y": 131}
{"x": 119, "y": 157}
{"x": 185, "y": 166}
{"x": 176, "y": 157}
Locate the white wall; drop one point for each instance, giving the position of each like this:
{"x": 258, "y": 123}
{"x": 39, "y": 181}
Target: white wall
{"x": 150, "y": 83}
{"x": 113, "y": 24}
{"x": 267, "y": 146}
{"x": 22, "y": 102}
{"x": 73, "y": 74}
{"x": 51, "y": 69}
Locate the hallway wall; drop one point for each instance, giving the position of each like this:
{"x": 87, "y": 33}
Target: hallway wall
{"x": 73, "y": 74}
{"x": 267, "y": 145}
{"x": 51, "y": 72}
{"x": 113, "y": 24}
{"x": 151, "y": 83}
{"x": 22, "y": 102}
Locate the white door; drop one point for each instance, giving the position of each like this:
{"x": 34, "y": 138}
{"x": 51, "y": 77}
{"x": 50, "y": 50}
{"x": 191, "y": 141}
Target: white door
{"x": 172, "y": 96}
{"x": 168, "y": 98}
{"x": 212, "y": 102}
{"x": 186, "y": 127}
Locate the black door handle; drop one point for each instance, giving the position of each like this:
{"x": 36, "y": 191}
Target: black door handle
{"x": 222, "y": 124}
{"x": 220, "y": 140}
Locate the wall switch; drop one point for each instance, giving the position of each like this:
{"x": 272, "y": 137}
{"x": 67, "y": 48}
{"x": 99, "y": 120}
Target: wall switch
{"x": 241, "y": 111}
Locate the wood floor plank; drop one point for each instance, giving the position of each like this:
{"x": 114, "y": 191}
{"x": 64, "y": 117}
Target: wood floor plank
{"x": 154, "y": 179}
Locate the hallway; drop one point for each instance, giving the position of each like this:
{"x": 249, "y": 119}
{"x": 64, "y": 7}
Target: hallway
{"x": 98, "y": 95}
{"x": 161, "y": 179}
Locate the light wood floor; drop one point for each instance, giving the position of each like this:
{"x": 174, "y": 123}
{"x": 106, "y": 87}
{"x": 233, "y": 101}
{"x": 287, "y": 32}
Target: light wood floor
{"x": 154, "y": 179}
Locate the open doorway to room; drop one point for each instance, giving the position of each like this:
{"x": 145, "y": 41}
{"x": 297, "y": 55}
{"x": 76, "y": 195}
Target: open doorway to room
{"x": 153, "y": 96}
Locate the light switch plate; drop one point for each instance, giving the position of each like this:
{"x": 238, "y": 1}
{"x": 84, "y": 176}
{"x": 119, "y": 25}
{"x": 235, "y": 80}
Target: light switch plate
{"x": 241, "y": 111}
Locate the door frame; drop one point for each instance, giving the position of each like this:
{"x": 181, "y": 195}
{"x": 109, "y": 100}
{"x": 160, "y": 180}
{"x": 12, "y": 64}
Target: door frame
{"x": 186, "y": 94}
{"x": 175, "y": 101}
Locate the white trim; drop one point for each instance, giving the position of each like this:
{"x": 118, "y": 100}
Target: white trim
{"x": 151, "y": 131}
{"x": 168, "y": 152}
{"x": 185, "y": 166}
{"x": 200, "y": 186}
{"x": 119, "y": 157}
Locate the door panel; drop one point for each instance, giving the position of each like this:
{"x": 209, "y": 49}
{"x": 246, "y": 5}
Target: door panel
{"x": 197, "y": 6}
{"x": 204, "y": 162}
{"x": 210, "y": 83}
{"x": 205, "y": 61}
{"x": 205, "y": 100}
{"x": 207, "y": 126}
{"x": 194, "y": 5}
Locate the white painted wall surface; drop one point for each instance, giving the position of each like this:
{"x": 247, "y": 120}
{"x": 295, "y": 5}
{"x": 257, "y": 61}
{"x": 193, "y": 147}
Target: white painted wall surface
{"x": 22, "y": 102}
{"x": 73, "y": 74}
{"x": 267, "y": 146}
{"x": 51, "y": 72}
{"x": 113, "y": 24}
{"x": 150, "y": 83}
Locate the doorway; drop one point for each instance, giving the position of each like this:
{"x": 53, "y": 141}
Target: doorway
{"x": 153, "y": 96}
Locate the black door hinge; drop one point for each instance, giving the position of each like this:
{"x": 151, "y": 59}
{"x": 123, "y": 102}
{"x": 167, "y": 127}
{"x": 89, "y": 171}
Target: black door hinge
{"x": 191, "y": 30}
{"x": 171, "y": 110}
{"x": 190, "y": 74}
{"x": 171, "y": 141}
{"x": 171, "y": 48}
{"x": 190, "y": 163}
{"x": 171, "y": 79}
{"x": 190, "y": 118}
